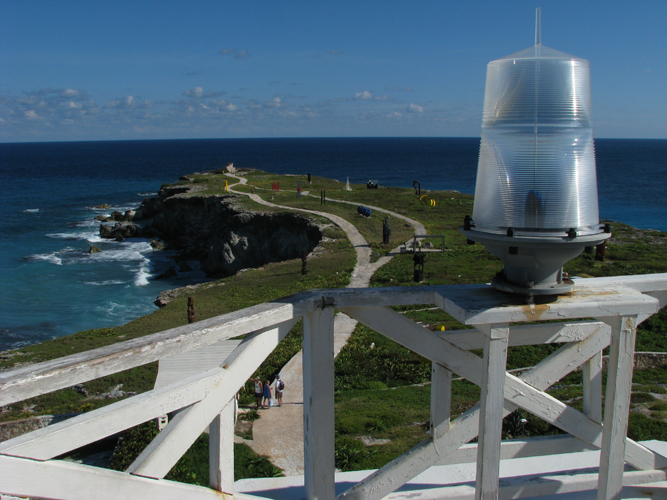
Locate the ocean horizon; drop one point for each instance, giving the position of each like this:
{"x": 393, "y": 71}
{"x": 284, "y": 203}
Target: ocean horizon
{"x": 52, "y": 287}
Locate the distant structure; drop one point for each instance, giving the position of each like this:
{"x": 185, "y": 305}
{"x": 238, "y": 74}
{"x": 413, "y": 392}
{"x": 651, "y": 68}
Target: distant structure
{"x": 347, "y": 184}
{"x": 230, "y": 168}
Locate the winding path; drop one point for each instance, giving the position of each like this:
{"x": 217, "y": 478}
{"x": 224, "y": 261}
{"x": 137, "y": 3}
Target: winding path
{"x": 279, "y": 433}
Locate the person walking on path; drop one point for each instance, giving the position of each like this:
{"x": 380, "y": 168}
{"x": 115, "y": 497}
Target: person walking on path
{"x": 259, "y": 392}
{"x": 267, "y": 394}
{"x": 279, "y": 386}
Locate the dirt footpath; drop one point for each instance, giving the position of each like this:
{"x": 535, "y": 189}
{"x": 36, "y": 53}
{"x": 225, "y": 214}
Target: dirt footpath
{"x": 278, "y": 434}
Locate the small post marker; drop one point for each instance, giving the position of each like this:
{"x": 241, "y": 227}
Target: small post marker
{"x": 191, "y": 310}
{"x": 418, "y": 260}
{"x": 386, "y": 231}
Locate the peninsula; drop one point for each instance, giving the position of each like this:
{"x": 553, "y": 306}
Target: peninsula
{"x": 250, "y": 233}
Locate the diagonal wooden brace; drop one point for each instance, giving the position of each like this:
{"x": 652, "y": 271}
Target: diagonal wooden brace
{"x": 464, "y": 428}
{"x": 175, "y": 439}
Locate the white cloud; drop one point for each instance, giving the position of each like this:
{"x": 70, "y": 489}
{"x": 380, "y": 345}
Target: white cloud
{"x": 359, "y": 96}
{"x": 236, "y": 54}
{"x": 198, "y": 92}
{"x": 276, "y": 102}
{"x": 62, "y": 114}
{"x": 128, "y": 102}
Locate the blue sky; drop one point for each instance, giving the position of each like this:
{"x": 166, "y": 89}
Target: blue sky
{"x": 102, "y": 70}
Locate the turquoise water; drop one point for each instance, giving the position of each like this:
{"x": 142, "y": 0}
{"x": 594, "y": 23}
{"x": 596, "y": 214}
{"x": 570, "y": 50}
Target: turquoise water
{"x": 50, "y": 286}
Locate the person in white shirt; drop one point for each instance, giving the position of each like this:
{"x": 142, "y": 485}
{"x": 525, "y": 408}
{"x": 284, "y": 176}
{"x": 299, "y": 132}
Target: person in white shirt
{"x": 279, "y": 386}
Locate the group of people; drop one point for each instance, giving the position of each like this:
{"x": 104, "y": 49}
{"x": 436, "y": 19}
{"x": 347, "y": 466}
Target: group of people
{"x": 263, "y": 392}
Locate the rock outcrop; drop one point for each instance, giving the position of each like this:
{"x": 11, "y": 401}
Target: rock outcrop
{"x": 222, "y": 236}
{"x": 119, "y": 231}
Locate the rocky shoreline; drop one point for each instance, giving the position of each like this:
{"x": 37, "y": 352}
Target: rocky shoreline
{"x": 214, "y": 230}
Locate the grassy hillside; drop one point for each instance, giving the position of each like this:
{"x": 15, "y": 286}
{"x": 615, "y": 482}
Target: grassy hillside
{"x": 383, "y": 393}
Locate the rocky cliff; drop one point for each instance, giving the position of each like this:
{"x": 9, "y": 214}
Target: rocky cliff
{"x": 222, "y": 236}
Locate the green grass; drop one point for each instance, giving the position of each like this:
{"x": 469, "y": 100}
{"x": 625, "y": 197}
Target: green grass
{"x": 380, "y": 414}
{"x": 193, "y": 466}
{"x": 383, "y": 392}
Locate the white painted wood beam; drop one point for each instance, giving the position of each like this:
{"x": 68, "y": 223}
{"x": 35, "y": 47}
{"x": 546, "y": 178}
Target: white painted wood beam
{"x": 419, "y": 339}
{"x": 87, "y": 428}
{"x": 75, "y": 432}
{"x": 491, "y": 411}
{"x": 41, "y": 378}
{"x": 169, "y": 446}
{"x": 462, "y": 430}
{"x": 617, "y": 405}
{"x": 592, "y": 377}
{"x": 661, "y": 297}
{"x": 385, "y": 296}
{"x": 221, "y": 450}
{"x": 59, "y": 479}
{"x": 568, "y": 358}
{"x": 439, "y": 350}
{"x": 25, "y": 382}
{"x": 318, "y": 405}
{"x": 641, "y": 282}
{"x": 441, "y": 400}
{"x": 540, "y": 333}
{"x": 393, "y": 475}
{"x": 487, "y": 306}
{"x": 576, "y": 423}
{"x": 521, "y": 448}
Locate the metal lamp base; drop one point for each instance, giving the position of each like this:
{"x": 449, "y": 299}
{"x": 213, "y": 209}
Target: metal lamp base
{"x": 499, "y": 282}
{"x": 534, "y": 264}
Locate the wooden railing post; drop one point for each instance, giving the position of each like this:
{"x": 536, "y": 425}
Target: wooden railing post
{"x": 221, "y": 449}
{"x": 616, "y": 405}
{"x": 441, "y": 400}
{"x": 593, "y": 388}
{"x": 496, "y": 339}
{"x": 318, "y": 405}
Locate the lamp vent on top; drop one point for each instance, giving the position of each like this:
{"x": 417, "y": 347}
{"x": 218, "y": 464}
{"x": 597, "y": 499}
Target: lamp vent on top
{"x": 536, "y": 201}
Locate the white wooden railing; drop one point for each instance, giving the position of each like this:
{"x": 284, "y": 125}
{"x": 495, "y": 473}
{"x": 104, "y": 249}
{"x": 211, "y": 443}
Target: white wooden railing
{"x": 28, "y": 466}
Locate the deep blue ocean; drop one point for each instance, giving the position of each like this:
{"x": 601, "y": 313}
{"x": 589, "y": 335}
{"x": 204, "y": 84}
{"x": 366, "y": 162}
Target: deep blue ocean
{"x": 50, "y": 286}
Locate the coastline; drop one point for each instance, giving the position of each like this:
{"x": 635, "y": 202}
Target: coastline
{"x": 330, "y": 267}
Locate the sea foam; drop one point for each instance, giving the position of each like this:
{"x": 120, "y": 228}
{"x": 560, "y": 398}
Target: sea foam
{"x": 142, "y": 275}
{"x": 48, "y": 257}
